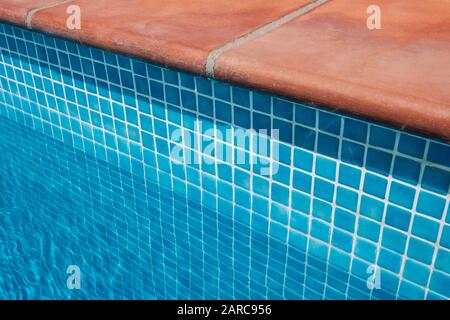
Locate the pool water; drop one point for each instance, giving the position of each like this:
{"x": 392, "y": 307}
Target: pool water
{"x": 59, "y": 207}
{"x": 131, "y": 238}
{"x": 118, "y": 179}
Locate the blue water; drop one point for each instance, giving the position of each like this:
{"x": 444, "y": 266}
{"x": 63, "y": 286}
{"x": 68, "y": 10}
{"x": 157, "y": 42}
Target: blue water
{"x": 60, "y": 208}
{"x": 130, "y": 238}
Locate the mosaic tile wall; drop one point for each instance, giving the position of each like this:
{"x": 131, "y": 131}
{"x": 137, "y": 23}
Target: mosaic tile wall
{"x": 348, "y": 195}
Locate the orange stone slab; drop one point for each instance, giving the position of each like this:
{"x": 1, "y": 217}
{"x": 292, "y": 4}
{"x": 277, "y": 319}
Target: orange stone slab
{"x": 175, "y": 33}
{"x": 15, "y": 11}
{"x": 399, "y": 74}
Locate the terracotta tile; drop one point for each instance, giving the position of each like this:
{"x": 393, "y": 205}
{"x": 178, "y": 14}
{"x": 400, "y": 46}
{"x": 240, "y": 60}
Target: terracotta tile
{"x": 174, "y": 32}
{"x": 15, "y": 11}
{"x": 399, "y": 74}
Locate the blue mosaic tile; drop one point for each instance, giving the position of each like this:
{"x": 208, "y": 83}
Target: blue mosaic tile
{"x": 305, "y": 138}
{"x": 390, "y": 260}
{"x": 436, "y": 180}
{"x": 398, "y": 218}
{"x": 368, "y": 229}
{"x": 378, "y": 161}
{"x": 350, "y": 176}
{"x": 382, "y": 137}
{"x": 402, "y": 195}
{"x": 352, "y": 153}
{"x": 372, "y": 208}
{"x": 323, "y": 189}
{"x": 394, "y": 240}
{"x": 261, "y": 102}
{"x": 440, "y": 283}
{"x": 431, "y": 205}
{"x": 344, "y": 219}
{"x": 365, "y": 250}
{"x": 375, "y": 185}
{"x": 355, "y": 130}
{"x": 416, "y": 272}
{"x": 325, "y": 168}
{"x": 439, "y": 153}
{"x": 443, "y": 260}
{"x": 347, "y": 198}
{"x": 322, "y": 210}
{"x": 420, "y": 250}
{"x": 330, "y": 123}
{"x": 305, "y": 115}
{"x": 327, "y": 145}
{"x": 409, "y": 291}
{"x": 411, "y": 145}
{"x": 445, "y": 241}
{"x": 406, "y": 170}
{"x": 342, "y": 240}
{"x": 90, "y": 135}
{"x": 302, "y": 181}
{"x": 425, "y": 228}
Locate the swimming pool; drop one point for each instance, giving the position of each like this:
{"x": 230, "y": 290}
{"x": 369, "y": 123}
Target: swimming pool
{"x": 332, "y": 208}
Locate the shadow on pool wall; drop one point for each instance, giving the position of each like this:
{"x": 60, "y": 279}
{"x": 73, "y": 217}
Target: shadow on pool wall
{"x": 348, "y": 194}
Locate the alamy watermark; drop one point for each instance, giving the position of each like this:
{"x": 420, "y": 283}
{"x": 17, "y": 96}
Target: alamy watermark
{"x": 374, "y": 279}
{"x": 73, "y": 22}
{"x": 234, "y": 146}
{"x": 74, "y": 279}
{"x": 374, "y": 19}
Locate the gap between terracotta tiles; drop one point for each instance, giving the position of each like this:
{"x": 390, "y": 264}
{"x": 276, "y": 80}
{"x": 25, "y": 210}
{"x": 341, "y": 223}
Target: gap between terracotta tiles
{"x": 214, "y": 54}
{"x": 30, "y": 14}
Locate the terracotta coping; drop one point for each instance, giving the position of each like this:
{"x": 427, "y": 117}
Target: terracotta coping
{"x": 316, "y": 51}
{"x": 15, "y": 11}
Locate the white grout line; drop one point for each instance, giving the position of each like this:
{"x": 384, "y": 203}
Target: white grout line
{"x": 360, "y": 192}
{"x": 30, "y": 14}
{"x": 215, "y": 53}
{"x": 437, "y": 247}
{"x": 311, "y": 206}
{"x": 409, "y": 232}
{"x": 383, "y": 223}
{"x": 334, "y": 206}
